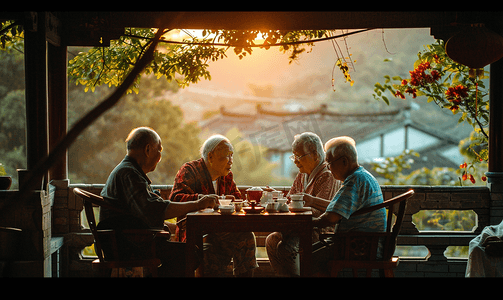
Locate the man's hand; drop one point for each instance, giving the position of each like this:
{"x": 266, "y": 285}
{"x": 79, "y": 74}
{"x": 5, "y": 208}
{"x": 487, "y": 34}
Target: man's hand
{"x": 207, "y": 201}
{"x": 313, "y": 201}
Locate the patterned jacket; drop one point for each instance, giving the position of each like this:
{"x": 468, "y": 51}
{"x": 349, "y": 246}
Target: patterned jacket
{"x": 193, "y": 179}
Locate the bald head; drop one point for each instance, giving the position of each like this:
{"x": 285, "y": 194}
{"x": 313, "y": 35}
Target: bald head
{"x": 341, "y": 146}
{"x": 144, "y": 145}
{"x": 140, "y": 137}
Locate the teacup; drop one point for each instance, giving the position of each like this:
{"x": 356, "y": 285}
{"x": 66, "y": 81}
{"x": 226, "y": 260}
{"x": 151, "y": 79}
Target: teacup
{"x": 282, "y": 201}
{"x": 272, "y": 206}
{"x": 296, "y": 204}
{"x": 282, "y": 205}
{"x": 238, "y": 204}
{"x": 276, "y": 194}
{"x": 224, "y": 202}
{"x": 296, "y": 197}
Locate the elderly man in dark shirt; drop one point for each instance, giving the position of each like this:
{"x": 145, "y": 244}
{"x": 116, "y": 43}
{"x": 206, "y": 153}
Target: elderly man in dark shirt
{"x": 128, "y": 188}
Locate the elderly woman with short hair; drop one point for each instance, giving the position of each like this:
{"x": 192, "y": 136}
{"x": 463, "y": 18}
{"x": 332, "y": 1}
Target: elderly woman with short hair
{"x": 212, "y": 175}
{"x": 314, "y": 178}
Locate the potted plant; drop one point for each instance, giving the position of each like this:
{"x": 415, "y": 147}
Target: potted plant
{"x": 5, "y": 181}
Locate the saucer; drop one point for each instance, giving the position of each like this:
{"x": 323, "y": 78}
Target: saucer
{"x": 249, "y": 210}
{"x": 227, "y": 209}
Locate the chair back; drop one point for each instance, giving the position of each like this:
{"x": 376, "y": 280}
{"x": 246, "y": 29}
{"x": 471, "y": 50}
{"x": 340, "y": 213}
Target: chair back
{"x": 89, "y": 199}
{"x": 364, "y": 245}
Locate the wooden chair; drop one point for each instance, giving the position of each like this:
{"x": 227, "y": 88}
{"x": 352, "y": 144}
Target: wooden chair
{"x": 110, "y": 261}
{"x": 358, "y": 250}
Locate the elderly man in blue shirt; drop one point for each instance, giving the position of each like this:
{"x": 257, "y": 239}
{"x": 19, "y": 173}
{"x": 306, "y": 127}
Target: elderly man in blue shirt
{"x": 360, "y": 189}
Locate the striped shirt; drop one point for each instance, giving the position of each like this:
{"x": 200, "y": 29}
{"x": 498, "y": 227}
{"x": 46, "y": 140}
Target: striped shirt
{"x": 359, "y": 190}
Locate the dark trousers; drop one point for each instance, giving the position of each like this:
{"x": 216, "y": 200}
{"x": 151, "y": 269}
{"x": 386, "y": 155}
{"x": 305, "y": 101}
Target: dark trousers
{"x": 320, "y": 257}
{"x": 172, "y": 256}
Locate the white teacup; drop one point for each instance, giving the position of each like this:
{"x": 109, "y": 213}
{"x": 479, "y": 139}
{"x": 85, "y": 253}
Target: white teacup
{"x": 282, "y": 205}
{"x": 272, "y": 206}
{"x": 277, "y": 194}
{"x": 296, "y": 197}
{"x": 225, "y": 202}
{"x": 297, "y": 203}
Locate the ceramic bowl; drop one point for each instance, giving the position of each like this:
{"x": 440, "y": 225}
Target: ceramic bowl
{"x": 226, "y": 209}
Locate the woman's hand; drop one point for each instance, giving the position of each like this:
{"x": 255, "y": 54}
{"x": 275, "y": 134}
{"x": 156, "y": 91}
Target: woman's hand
{"x": 309, "y": 200}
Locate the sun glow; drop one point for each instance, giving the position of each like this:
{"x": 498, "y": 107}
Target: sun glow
{"x": 187, "y": 35}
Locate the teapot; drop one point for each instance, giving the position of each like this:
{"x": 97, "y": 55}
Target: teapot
{"x": 282, "y": 207}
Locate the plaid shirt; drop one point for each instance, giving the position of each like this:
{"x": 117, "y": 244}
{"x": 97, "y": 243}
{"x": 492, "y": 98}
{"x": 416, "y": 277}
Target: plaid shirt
{"x": 193, "y": 179}
{"x": 128, "y": 188}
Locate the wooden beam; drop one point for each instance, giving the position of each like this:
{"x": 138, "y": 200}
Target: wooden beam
{"x": 89, "y": 28}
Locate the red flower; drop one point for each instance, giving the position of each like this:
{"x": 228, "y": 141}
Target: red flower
{"x": 462, "y": 166}
{"x": 465, "y": 176}
{"x": 404, "y": 82}
{"x": 418, "y": 77}
{"x": 412, "y": 92}
{"x": 435, "y": 75}
{"x": 456, "y": 94}
{"x": 462, "y": 91}
{"x": 483, "y": 178}
{"x": 399, "y": 94}
{"x": 472, "y": 179}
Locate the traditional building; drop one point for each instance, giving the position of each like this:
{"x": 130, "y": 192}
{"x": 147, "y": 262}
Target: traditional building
{"x": 377, "y": 134}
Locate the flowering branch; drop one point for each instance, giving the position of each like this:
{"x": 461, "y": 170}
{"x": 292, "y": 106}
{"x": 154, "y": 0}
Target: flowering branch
{"x": 450, "y": 85}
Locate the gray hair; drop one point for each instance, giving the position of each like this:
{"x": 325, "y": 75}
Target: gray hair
{"x": 311, "y": 143}
{"x": 211, "y": 143}
{"x": 342, "y": 146}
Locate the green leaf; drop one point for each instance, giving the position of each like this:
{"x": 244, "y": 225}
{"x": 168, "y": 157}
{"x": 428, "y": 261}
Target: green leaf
{"x": 385, "y": 99}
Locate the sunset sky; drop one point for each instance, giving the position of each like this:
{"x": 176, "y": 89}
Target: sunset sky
{"x": 308, "y": 81}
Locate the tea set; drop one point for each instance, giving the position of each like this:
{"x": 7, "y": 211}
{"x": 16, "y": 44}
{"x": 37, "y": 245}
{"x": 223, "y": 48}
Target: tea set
{"x": 259, "y": 200}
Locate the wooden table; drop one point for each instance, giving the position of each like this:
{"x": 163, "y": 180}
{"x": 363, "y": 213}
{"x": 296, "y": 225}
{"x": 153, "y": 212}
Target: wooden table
{"x": 201, "y": 222}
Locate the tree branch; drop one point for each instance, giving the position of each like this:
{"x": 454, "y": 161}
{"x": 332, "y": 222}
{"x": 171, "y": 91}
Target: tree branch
{"x": 8, "y": 27}
{"x": 43, "y": 166}
{"x": 254, "y": 46}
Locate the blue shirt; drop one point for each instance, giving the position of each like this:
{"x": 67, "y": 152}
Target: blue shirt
{"x": 359, "y": 190}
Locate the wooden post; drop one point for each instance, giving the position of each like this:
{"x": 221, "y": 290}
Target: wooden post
{"x": 58, "y": 106}
{"x": 35, "y": 53}
{"x": 495, "y": 165}
{"x": 496, "y": 117}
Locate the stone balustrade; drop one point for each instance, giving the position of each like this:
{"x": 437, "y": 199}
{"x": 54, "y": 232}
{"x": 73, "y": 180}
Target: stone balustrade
{"x": 487, "y": 205}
